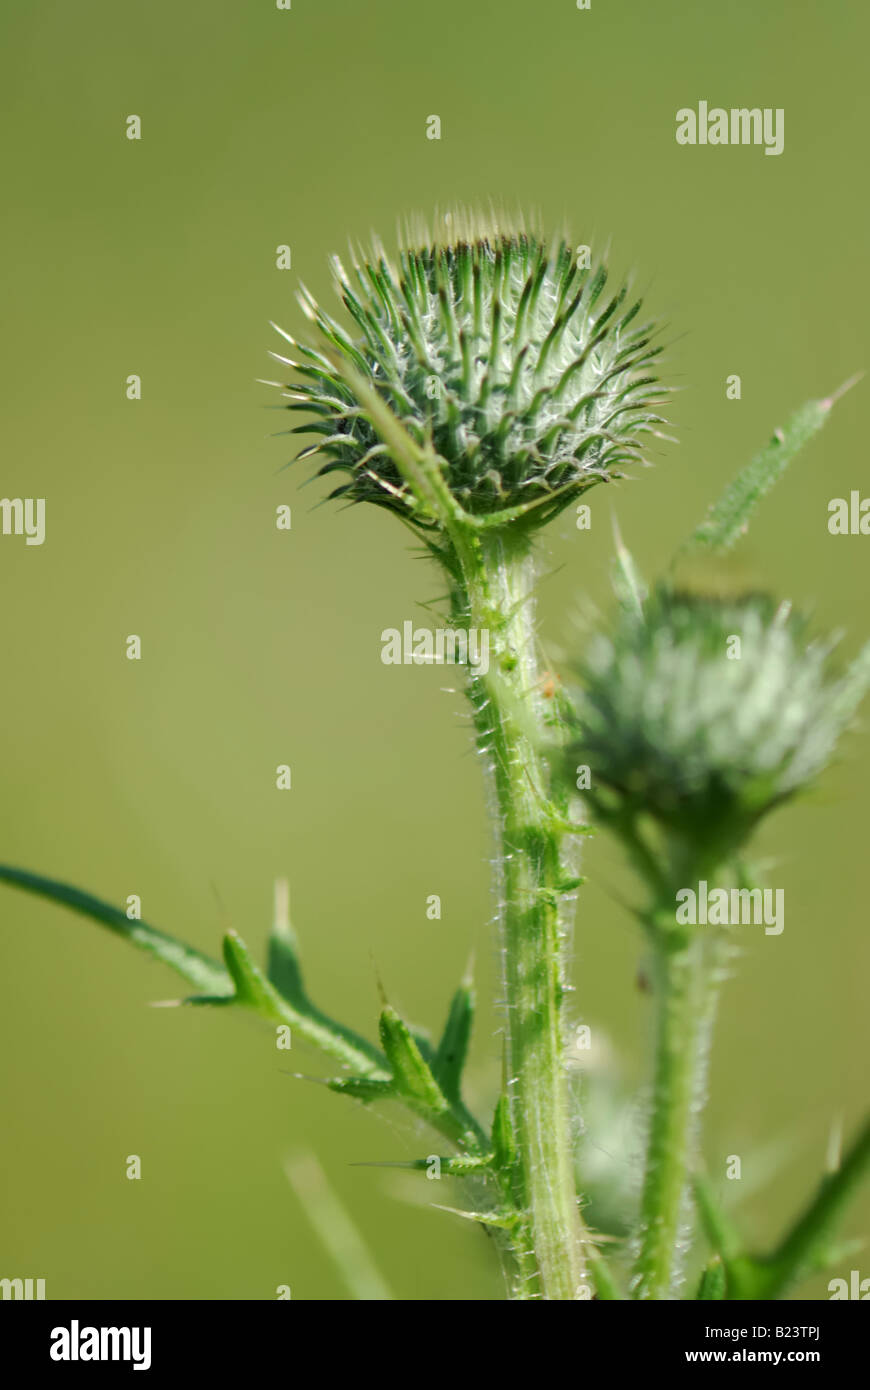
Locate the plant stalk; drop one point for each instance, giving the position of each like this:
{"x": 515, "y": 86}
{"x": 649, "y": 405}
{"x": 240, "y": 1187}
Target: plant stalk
{"x": 686, "y": 991}
{"x": 510, "y": 710}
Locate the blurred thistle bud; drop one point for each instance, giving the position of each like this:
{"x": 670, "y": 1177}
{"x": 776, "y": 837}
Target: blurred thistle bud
{"x": 705, "y": 713}
{"x": 501, "y": 354}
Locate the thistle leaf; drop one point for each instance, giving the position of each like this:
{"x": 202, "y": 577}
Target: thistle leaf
{"x": 284, "y": 972}
{"x": 453, "y": 1048}
{"x": 252, "y": 987}
{"x": 363, "y": 1088}
{"x": 256, "y": 992}
{"x": 728, "y": 518}
{"x": 504, "y": 1219}
{"x": 454, "y": 1165}
{"x": 198, "y": 969}
{"x": 411, "y": 1072}
{"x": 241, "y": 982}
{"x": 283, "y": 969}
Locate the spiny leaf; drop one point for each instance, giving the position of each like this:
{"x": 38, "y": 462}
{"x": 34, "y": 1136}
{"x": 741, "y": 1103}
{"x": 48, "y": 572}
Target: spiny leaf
{"x": 198, "y": 969}
{"x": 424, "y": 1042}
{"x": 241, "y": 983}
{"x": 411, "y": 1072}
{"x": 252, "y": 987}
{"x": 454, "y": 1166}
{"x": 453, "y": 1048}
{"x": 570, "y": 883}
{"x": 255, "y": 991}
{"x": 284, "y": 970}
{"x": 728, "y": 519}
{"x": 504, "y": 1219}
{"x": 363, "y": 1088}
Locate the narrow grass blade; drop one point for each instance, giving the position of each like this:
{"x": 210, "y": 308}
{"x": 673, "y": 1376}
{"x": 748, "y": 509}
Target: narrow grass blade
{"x": 631, "y": 591}
{"x": 336, "y": 1230}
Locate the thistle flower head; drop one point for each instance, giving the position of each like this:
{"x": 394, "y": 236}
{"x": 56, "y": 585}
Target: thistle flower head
{"x": 505, "y": 356}
{"x": 705, "y": 713}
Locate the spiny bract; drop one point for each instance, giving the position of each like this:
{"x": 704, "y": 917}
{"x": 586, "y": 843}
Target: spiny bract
{"x": 503, "y": 354}
{"x": 707, "y": 712}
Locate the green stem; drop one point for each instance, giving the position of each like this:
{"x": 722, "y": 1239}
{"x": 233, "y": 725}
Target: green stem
{"x": 686, "y": 997}
{"x": 495, "y": 575}
{"x": 803, "y": 1249}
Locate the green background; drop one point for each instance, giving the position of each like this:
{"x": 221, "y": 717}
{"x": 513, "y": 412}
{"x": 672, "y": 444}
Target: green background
{"x": 260, "y": 647}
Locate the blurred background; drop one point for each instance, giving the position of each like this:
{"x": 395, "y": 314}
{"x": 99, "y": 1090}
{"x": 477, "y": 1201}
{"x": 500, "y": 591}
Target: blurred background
{"x": 157, "y": 257}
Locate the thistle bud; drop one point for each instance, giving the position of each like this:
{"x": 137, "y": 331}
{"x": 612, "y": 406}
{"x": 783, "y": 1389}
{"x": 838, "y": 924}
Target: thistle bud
{"x": 504, "y": 355}
{"x": 705, "y": 713}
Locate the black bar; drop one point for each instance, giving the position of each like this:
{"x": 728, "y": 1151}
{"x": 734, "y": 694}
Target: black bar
{"x": 248, "y": 1337}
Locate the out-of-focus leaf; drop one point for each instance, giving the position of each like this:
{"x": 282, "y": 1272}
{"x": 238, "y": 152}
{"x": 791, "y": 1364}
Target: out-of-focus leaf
{"x": 712, "y": 1282}
{"x": 631, "y": 591}
{"x": 728, "y": 518}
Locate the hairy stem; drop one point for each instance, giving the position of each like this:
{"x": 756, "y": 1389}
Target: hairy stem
{"x": 686, "y": 989}
{"x": 494, "y": 594}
